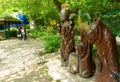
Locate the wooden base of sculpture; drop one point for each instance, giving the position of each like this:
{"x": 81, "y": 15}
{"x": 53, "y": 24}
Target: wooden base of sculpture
{"x": 73, "y": 63}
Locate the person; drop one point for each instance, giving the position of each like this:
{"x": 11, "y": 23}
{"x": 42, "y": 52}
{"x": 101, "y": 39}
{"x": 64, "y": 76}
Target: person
{"x": 23, "y": 32}
{"x": 18, "y": 33}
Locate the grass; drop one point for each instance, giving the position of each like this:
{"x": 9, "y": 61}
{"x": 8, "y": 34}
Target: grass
{"x": 44, "y": 71}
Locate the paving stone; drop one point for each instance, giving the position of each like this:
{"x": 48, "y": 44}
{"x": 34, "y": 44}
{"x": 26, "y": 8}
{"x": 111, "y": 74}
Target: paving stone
{"x": 57, "y": 72}
{"x": 15, "y": 56}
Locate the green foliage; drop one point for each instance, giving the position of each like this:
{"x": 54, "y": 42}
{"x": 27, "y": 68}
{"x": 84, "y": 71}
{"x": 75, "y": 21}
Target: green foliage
{"x": 1, "y": 38}
{"x": 6, "y": 6}
{"x": 94, "y": 51}
{"x": 113, "y": 22}
{"x": 77, "y": 39}
{"x": 53, "y": 30}
{"x": 27, "y": 26}
{"x": 52, "y": 43}
{"x": 42, "y": 11}
{"x": 51, "y": 38}
{"x": 13, "y": 29}
{"x": 37, "y": 34}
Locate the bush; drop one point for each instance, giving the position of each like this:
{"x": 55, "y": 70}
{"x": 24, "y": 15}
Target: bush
{"x": 113, "y": 23}
{"x": 51, "y": 38}
{"x": 27, "y": 26}
{"x": 53, "y": 30}
{"x": 38, "y": 34}
{"x": 1, "y": 38}
{"x": 52, "y": 43}
{"x": 12, "y": 29}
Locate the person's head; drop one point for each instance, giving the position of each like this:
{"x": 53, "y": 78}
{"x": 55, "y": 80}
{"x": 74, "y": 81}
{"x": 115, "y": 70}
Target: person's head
{"x": 23, "y": 27}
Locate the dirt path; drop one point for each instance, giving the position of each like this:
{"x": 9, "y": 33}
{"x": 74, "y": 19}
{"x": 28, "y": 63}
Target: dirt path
{"x": 20, "y": 61}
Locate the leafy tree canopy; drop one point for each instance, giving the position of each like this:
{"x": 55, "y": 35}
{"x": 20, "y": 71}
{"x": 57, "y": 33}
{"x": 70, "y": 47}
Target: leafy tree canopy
{"x": 42, "y": 11}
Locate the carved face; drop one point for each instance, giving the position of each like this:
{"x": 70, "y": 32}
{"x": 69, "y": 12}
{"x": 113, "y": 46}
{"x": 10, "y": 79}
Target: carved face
{"x": 93, "y": 32}
{"x": 64, "y": 13}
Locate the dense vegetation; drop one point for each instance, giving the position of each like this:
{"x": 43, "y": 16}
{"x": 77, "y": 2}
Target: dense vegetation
{"x": 46, "y": 12}
{"x": 43, "y": 11}
{"x": 51, "y": 38}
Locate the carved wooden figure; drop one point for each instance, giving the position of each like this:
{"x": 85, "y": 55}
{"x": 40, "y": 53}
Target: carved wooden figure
{"x": 67, "y": 44}
{"x": 106, "y": 59}
{"x": 67, "y": 35}
{"x": 84, "y": 51}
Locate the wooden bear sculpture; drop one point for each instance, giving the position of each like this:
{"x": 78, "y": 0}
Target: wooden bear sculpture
{"x": 106, "y": 59}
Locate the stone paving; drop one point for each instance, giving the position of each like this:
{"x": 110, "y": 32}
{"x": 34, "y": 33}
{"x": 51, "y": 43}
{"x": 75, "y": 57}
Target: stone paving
{"x": 18, "y": 58}
{"x": 20, "y": 61}
{"x": 60, "y": 74}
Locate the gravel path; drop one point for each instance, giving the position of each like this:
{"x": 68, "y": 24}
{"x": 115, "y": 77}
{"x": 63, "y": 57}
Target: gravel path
{"x": 18, "y": 59}
{"x": 22, "y": 61}
{"x": 61, "y": 74}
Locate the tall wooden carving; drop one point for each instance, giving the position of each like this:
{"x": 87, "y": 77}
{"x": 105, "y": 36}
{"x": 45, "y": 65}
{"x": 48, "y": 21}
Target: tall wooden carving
{"x": 106, "y": 59}
{"x": 67, "y": 35}
{"x": 84, "y": 50}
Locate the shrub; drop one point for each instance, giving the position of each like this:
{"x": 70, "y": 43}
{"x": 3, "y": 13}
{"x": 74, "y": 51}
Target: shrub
{"x": 52, "y": 43}
{"x": 27, "y": 26}
{"x": 1, "y": 38}
{"x": 51, "y": 38}
{"x": 12, "y": 29}
{"x": 113, "y": 23}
